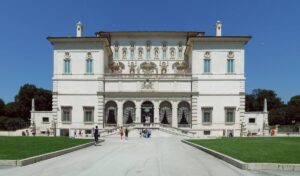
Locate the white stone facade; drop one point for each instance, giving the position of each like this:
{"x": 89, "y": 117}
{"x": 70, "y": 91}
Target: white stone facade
{"x": 183, "y": 80}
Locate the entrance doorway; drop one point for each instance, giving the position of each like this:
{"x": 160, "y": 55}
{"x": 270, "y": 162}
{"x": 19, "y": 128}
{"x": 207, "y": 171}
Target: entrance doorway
{"x": 147, "y": 110}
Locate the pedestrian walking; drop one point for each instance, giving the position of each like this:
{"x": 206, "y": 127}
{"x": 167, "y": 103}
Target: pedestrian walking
{"x": 149, "y": 133}
{"x": 96, "y": 135}
{"x": 126, "y": 133}
{"x": 121, "y": 132}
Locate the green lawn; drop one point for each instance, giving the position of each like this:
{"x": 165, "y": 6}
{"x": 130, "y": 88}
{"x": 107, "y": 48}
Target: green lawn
{"x": 257, "y": 150}
{"x": 23, "y": 147}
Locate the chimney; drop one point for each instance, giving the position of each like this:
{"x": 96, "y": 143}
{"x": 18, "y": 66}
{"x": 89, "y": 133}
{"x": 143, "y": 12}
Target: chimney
{"x": 218, "y": 27}
{"x": 265, "y": 106}
{"x": 32, "y": 105}
{"x": 79, "y": 29}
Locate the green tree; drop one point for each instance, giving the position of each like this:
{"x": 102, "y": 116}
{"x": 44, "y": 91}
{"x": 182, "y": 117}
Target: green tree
{"x": 11, "y": 110}
{"x": 255, "y": 100}
{"x": 295, "y": 101}
{"x": 43, "y": 100}
{"x": 2, "y": 105}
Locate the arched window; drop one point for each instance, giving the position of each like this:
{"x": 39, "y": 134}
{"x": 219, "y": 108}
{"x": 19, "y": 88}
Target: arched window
{"x": 128, "y": 112}
{"x": 165, "y": 112}
{"x": 111, "y": 110}
{"x": 184, "y": 114}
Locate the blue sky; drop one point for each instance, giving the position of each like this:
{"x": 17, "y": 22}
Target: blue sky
{"x": 272, "y": 56}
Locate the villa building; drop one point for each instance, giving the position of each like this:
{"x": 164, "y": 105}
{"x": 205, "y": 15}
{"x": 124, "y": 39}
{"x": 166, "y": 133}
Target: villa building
{"x": 159, "y": 79}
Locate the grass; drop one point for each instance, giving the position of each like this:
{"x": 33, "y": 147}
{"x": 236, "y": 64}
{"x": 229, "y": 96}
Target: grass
{"x": 257, "y": 150}
{"x": 14, "y": 148}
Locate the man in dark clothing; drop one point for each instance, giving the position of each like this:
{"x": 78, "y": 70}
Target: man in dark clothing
{"x": 96, "y": 135}
{"x": 126, "y": 133}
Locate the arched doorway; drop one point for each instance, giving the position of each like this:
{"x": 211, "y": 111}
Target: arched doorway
{"x": 147, "y": 110}
{"x": 165, "y": 112}
{"x": 111, "y": 108}
{"x": 184, "y": 114}
{"x": 128, "y": 112}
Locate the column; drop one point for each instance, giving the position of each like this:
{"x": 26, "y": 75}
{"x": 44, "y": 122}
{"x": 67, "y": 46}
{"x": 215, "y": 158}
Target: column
{"x": 174, "y": 114}
{"x": 156, "y": 112}
{"x": 138, "y": 112}
{"x": 120, "y": 113}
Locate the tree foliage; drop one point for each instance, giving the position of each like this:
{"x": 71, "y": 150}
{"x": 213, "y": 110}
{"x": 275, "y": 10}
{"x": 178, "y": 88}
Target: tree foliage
{"x": 21, "y": 107}
{"x": 42, "y": 97}
{"x": 279, "y": 113}
{"x": 255, "y": 100}
{"x": 2, "y": 105}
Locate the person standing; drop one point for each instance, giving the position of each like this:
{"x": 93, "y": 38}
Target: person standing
{"x": 33, "y": 131}
{"x": 96, "y": 135}
{"x": 121, "y": 132}
{"x": 126, "y": 133}
{"x": 149, "y": 133}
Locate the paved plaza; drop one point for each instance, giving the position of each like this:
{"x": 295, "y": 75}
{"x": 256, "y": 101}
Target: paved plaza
{"x": 136, "y": 156}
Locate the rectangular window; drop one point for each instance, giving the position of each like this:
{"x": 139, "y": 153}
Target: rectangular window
{"x": 206, "y": 65}
{"x": 230, "y": 66}
{"x": 207, "y": 115}
{"x": 66, "y": 115}
{"x": 116, "y": 54}
{"x": 229, "y": 115}
{"x": 206, "y": 132}
{"x": 67, "y": 66}
{"x": 132, "y": 54}
{"x": 180, "y": 54}
{"x": 89, "y": 66}
{"x": 148, "y": 54}
{"x": 45, "y": 119}
{"x": 88, "y": 114}
{"x": 251, "y": 120}
{"x": 164, "y": 54}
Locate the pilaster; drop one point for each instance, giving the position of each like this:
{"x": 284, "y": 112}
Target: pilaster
{"x": 174, "y": 114}
{"x": 156, "y": 111}
{"x": 100, "y": 113}
{"x": 120, "y": 113}
{"x": 138, "y": 111}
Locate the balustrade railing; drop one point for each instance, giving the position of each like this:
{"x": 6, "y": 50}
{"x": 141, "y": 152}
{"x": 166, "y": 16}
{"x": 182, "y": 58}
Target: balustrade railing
{"x": 149, "y": 76}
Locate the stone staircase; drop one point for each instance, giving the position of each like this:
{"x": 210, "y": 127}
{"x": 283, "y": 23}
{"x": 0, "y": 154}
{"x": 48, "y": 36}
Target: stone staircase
{"x": 158, "y": 130}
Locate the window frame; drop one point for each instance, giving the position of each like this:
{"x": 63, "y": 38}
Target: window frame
{"x": 207, "y": 60}
{"x": 46, "y": 121}
{"x": 252, "y": 122}
{"x": 63, "y": 109}
{"x": 86, "y": 109}
{"x": 67, "y": 64}
{"x": 233, "y": 109}
{"x": 230, "y": 66}
{"x": 87, "y": 66}
{"x": 204, "y": 110}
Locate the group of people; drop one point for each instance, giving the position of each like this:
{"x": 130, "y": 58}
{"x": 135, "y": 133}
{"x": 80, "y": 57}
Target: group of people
{"x": 146, "y": 133}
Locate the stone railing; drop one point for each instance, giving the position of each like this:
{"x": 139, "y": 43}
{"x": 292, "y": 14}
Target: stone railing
{"x": 148, "y": 76}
